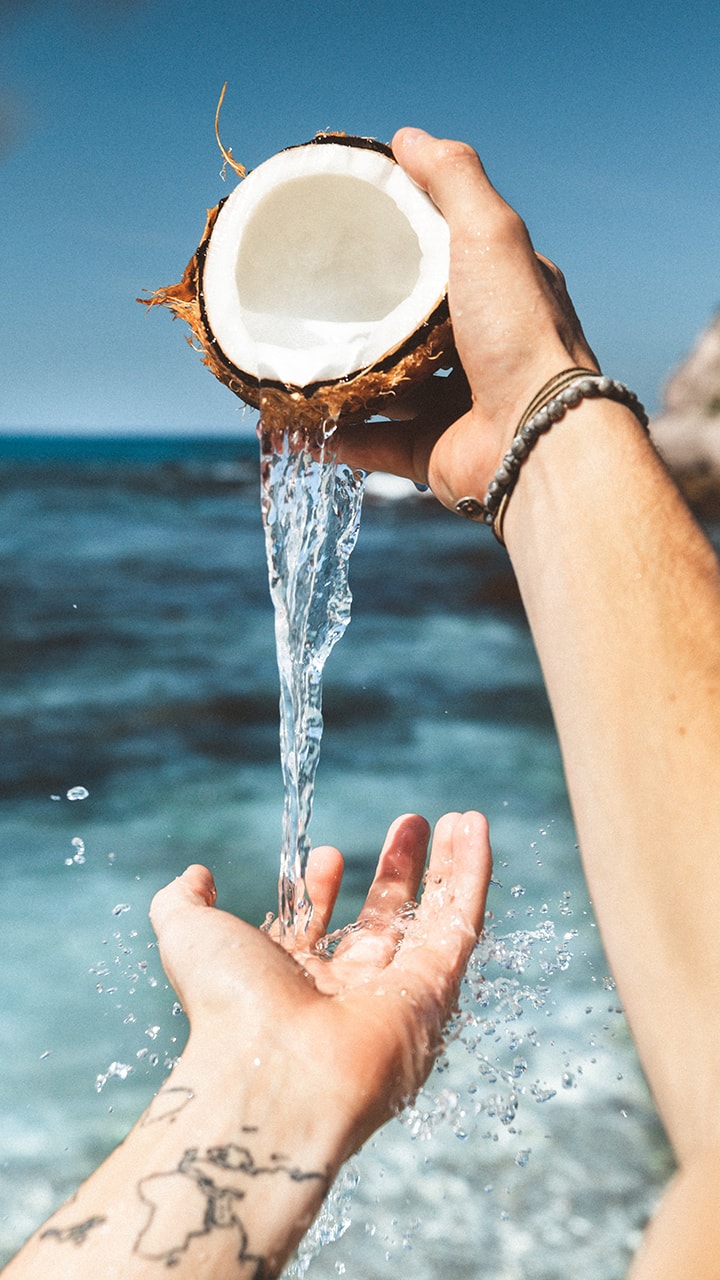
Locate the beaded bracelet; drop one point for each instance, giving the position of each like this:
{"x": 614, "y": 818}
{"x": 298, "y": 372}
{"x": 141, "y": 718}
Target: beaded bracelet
{"x": 563, "y": 392}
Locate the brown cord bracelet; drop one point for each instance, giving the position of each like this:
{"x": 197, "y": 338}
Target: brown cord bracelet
{"x": 564, "y": 391}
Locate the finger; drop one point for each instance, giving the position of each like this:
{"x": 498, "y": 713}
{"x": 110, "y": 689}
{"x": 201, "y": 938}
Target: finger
{"x": 460, "y": 867}
{"x": 174, "y": 913}
{"x": 449, "y": 920}
{"x": 373, "y": 940}
{"x": 399, "y": 870}
{"x": 572, "y": 329}
{"x": 376, "y": 447}
{"x": 440, "y": 399}
{"x": 451, "y": 172}
{"x": 194, "y": 888}
{"x": 323, "y": 879}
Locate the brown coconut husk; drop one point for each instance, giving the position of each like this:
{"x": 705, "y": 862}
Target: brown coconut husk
{"x": 353, "y": 399}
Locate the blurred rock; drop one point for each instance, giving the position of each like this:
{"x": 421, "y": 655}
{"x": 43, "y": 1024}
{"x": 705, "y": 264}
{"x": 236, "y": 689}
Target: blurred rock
{"x": 687, "y": 430}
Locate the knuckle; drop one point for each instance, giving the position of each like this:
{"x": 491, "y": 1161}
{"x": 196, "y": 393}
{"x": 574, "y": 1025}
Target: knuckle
{"x": 458, "y": 154}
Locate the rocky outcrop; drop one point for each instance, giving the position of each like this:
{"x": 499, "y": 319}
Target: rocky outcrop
{"x": 687, "y": 430}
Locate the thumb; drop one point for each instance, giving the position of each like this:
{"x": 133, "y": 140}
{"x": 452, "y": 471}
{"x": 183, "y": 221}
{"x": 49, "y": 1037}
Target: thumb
{"x": 194, "y": 888}
{"x": 451, "y": 172}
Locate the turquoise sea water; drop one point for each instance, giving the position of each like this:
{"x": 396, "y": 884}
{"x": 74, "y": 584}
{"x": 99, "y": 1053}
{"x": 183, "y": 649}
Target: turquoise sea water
{"x": 138, "y": 665}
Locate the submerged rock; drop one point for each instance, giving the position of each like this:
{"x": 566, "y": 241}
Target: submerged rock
{"x": 687, "y": 430}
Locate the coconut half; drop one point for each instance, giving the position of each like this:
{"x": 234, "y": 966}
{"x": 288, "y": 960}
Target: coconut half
{"x": 320, "y": 284}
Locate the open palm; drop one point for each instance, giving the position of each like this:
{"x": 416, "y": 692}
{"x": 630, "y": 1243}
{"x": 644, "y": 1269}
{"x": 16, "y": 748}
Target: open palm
{"x": 361, "y": 1020}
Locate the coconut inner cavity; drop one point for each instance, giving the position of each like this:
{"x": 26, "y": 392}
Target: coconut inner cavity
{"x": 329, "y": 248}
{"x": 321, "y": 264}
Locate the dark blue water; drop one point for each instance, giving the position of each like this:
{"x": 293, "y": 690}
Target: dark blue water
{"x": 138, "y": 663}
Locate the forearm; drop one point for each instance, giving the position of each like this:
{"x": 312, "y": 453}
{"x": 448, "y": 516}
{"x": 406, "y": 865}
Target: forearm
{"x": 683, "y": 1240}
{"x": 623, "y": 596}
{"x": 207, "y": 1183}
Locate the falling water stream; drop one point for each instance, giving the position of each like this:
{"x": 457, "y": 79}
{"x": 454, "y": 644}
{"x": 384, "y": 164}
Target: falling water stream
{"x": 311, "y": 514}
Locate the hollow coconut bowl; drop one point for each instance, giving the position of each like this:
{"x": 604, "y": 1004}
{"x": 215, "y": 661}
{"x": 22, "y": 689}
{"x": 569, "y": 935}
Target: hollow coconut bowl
{"x": 318, "y": 292}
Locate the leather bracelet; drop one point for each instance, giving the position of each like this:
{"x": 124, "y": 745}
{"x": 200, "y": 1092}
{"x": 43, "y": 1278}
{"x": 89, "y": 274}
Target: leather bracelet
{"x": 562, "y": 392}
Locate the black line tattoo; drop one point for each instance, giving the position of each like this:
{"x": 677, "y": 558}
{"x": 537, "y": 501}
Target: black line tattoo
{"x": 77, "y": 1234}
{"x": 204, "y": 1192}
{"x": 167, "y": 1104}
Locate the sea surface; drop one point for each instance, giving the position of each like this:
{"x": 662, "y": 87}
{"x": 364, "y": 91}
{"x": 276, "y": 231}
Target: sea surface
{"x": 139, "y": 714}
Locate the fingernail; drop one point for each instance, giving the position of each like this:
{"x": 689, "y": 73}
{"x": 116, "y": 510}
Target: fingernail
{"x": 411, "y": 135}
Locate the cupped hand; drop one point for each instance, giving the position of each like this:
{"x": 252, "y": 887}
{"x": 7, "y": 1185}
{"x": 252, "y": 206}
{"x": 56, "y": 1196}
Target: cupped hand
{"x": 514, "y": 328}
{"x": 351, "y": 1023}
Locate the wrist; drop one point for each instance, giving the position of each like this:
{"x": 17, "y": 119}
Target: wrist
{"x": 577, "y": 476}
{"x": 469, "y": 453}
{"x": 226, "y": 1136}
{"x": 562, "y": 395}
{"x": 252, "y": 1087}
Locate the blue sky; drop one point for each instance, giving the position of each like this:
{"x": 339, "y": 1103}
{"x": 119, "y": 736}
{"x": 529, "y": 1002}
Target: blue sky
{"x": 599, "y": 121}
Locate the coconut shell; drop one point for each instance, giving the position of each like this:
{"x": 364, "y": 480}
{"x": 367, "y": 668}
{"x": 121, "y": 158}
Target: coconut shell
{"x": 346, "y": 400}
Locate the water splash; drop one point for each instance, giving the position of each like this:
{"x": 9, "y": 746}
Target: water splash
{"x": 330, "y": 1225}
{"x": 116, "y": 1071}
{"x": 311, "y": 508}
{"x": 77, "y": 793}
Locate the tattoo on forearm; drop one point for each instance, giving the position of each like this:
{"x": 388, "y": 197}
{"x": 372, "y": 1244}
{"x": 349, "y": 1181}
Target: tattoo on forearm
{"x": 77, "y": 1234}
{"x": 204, "y": 1193}
{"x": 167, "y": 1104}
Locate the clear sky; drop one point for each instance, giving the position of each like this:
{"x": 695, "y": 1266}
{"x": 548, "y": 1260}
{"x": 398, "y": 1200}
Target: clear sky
{"x": 599, "y": 121}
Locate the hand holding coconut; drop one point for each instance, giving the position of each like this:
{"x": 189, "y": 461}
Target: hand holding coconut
{"x": 514, "y": 327}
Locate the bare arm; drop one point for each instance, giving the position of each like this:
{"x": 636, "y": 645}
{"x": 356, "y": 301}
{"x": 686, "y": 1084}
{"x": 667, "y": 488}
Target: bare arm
{"x": 293, "y": 1060}
{"x": 623, "y": 595}
{"x": 609, "y": 549}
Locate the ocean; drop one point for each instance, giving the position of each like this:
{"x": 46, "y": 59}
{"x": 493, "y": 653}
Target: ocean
{"x": 139, "y": 712}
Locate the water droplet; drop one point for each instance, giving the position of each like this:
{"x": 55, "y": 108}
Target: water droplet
{"x": 116, "y": 1071}
{"x": 78, "y": 793}
{"x": 541, "y": 1094}
{"x": 568, "y": 1080}
{"x": 121, "y": 908}
{"x": 522, "y": 1158}
{"x": 79, "y": 847}
{"x": 517, "y": 891}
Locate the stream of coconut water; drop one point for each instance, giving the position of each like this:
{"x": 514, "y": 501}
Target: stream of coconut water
{"x": 311, "y": 515}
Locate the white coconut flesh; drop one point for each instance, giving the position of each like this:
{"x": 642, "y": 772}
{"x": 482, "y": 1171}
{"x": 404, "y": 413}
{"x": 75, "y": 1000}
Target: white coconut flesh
{"x": 324, "y": 260}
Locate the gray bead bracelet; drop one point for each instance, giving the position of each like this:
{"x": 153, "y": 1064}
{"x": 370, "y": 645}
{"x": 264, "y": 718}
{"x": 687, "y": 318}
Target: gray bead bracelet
{"x": 563, "y": 392}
